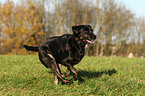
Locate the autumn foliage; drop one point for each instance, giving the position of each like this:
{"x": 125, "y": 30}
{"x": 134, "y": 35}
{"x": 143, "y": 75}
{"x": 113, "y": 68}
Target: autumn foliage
{"x": 20, "y": 24}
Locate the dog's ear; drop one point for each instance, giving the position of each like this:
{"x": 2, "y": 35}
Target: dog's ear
{"x": 76, "y": 29}
{"x": 89, "y": 26}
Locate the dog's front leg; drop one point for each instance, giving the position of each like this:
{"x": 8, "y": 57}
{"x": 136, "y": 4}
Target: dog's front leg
{"x": 66, "y": 74}
{"x": 71, "y": 68}
{"x": 75, "y": 71}
{"x": 57, "y": 73}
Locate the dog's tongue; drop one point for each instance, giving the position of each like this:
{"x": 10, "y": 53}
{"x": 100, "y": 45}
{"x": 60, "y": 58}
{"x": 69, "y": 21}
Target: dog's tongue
{"x": 90, "y": 42}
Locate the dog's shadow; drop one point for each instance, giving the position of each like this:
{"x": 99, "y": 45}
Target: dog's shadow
{"x": 97, "y": 74}
{"x": 90, "y": 74}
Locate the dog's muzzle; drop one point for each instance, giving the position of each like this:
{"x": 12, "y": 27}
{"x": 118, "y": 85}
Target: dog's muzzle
{"x": 90, "y": 42}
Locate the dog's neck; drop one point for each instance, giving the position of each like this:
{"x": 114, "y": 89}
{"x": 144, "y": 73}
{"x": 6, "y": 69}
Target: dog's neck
{"x": 79, "y": 41}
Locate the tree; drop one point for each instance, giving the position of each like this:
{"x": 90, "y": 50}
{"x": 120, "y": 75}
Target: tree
{"x": 32, "y": 21}
{"x": 20, "y": 24}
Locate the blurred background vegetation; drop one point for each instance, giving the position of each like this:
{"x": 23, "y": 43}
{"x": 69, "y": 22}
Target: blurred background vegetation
{"x": 118, "y": 31}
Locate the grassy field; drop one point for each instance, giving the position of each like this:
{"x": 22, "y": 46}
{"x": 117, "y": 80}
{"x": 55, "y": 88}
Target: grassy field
{"x": 24, "y": 75}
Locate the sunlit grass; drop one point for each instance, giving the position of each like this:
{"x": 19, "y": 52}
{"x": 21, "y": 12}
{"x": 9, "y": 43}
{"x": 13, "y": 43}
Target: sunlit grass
{"x": 25, "y": 75}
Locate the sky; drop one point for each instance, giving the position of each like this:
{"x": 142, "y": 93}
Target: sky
{"x": 136, "y": 6}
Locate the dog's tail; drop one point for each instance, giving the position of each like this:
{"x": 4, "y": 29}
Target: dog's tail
{"x": 31, "y": 48}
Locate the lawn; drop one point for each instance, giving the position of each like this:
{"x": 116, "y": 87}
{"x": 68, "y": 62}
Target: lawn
{"x": 24, "y": 75}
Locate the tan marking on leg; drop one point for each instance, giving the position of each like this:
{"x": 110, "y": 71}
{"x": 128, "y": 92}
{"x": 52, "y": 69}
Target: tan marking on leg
{"x": 51, "y": 56}
{"x": 55, "y": 80}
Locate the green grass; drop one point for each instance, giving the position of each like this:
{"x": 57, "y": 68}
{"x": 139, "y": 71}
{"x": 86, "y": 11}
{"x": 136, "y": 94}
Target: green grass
{"x": 24, "y": 75}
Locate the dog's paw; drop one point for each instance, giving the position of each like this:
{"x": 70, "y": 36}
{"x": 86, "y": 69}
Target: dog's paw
{"x": 56, "y": 81}
{"x": 67, "y": 82}
{"x": 75, "y": 78}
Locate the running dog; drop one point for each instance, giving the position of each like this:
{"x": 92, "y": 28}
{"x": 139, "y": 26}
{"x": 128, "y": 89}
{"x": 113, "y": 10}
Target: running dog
{"x": 67, "y": 50}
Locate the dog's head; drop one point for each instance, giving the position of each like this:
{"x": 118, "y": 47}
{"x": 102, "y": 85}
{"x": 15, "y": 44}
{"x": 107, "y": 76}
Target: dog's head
{"x": 84, "y": 33}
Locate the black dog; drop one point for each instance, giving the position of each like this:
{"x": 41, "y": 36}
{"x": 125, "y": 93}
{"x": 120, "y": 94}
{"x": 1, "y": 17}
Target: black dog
{"x": 66, "y": 50}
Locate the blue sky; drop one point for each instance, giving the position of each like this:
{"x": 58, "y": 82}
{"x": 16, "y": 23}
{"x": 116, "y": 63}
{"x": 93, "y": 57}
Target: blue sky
{"x": 136, "y": 6}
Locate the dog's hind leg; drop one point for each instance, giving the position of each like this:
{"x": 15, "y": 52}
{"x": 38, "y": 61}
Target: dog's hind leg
{"x": 55, "y": 76}
{"x": 48, "y": 60}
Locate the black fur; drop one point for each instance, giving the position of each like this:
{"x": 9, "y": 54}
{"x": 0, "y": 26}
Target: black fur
{"x": 66, "y": 50}
{"x": 31, "y": 48}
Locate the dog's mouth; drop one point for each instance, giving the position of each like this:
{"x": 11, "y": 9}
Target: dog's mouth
{"x": 90, "y": 41}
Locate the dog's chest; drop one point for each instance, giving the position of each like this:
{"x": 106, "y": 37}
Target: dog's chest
{"x": 70, "y": 51}
{"x": 76, "y": 55}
